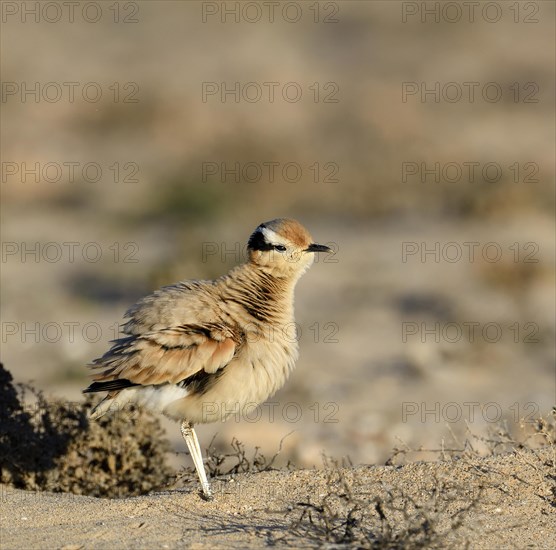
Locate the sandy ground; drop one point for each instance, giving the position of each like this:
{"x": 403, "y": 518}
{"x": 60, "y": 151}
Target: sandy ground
{"x": 514, "y": 508}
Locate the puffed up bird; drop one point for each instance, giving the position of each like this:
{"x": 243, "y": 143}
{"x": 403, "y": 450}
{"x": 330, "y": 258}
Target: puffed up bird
{"x": 199, "y": 350}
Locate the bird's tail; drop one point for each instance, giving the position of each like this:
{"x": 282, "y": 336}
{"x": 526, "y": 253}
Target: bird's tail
{"x": 112, "y": 403}
{"x": 101, "y": 409}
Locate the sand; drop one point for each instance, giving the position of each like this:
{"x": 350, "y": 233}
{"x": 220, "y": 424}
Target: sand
{"x": 516, "y": 508}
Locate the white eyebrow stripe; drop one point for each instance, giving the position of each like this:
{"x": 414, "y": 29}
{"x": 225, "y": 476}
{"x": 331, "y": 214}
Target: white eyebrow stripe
{"x": 271, "y": 236}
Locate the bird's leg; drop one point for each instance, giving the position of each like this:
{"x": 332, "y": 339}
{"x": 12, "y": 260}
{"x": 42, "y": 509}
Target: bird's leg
{"x": 188, "y": 433}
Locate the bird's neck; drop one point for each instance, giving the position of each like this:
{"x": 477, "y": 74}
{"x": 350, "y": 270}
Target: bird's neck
{"x": 265, "y": 296}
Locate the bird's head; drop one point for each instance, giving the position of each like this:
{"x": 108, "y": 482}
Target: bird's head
{"x": 283, "y": 247}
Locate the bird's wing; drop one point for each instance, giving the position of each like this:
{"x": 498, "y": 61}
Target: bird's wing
{"x": 164, "y": 356}
{"x": 185, "y": 303}
{"x": 171, "y": 334}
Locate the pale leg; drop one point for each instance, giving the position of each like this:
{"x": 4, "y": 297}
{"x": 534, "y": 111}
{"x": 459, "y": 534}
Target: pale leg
{"x": 190, "y": 437}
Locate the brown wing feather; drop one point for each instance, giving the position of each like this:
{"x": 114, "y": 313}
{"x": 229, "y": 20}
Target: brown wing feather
{"x": 167, "y": 355}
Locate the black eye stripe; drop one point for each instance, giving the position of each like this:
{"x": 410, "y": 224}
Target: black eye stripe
{"x": 258, "y": 242}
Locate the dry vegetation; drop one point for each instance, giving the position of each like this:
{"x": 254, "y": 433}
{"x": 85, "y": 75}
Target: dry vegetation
{"x": 50, "y": 445}
{"x": 397, "y": 517}
{"x": 351, "y": 515}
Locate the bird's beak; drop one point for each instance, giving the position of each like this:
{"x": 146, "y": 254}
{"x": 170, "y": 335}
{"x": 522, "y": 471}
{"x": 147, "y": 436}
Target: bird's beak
{"x": 318, "y": 248}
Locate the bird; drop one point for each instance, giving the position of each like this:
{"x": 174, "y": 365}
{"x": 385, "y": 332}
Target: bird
{"x": 200, "y": 350}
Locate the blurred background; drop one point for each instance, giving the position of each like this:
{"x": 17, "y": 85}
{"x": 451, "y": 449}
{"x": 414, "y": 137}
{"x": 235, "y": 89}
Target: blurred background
{"x": 142, "y": 142}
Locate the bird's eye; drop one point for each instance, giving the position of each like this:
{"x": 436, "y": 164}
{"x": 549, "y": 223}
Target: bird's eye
{"x": 280, "y": 247}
